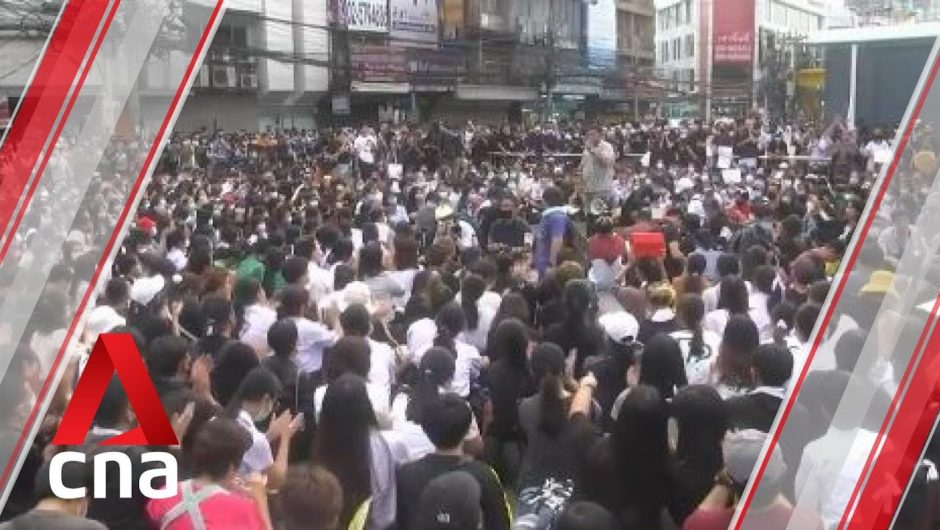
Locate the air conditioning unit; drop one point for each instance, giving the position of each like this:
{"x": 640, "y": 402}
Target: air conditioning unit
{"x": 249, "y": 81}
{"x": 224, "y": 77}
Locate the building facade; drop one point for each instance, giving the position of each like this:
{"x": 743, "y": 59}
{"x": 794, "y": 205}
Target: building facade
{"x": 268, "y": 67}
{"x": 724, "y": 55}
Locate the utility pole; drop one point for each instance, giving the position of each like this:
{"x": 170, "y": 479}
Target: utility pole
{"x": 550, "y": 64}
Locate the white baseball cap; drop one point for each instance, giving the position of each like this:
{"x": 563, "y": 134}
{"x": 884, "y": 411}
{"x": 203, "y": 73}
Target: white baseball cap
{"x": 620, "y": 326}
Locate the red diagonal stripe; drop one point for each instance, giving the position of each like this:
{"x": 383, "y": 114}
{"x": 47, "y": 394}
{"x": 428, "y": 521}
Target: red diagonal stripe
{"x": 47, "y": 98}
{"x": 42, "y": 396}
{"x": 839, "y": 287}
{"x": 905, "y": 438}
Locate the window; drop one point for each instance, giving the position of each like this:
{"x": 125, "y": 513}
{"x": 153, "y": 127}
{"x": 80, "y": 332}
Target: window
{"x": 676, "y": 49}
{"x": 689, "y": 46}
{"x": 688, "y": 11}
{"x": 664, "y": 52}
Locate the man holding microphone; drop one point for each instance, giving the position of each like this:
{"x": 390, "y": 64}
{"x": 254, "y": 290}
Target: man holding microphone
{"x": 597, "y": 168}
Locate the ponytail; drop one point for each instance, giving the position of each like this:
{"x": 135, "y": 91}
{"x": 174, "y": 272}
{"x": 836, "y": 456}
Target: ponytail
{"x": 553, "y": 410}
{"x": 471, "y": 290}
{"x": 425, "y": 392}
{"x": 445, "y": 339}
{"x": 697, "y": 345}
{"x": 472, "y": 311}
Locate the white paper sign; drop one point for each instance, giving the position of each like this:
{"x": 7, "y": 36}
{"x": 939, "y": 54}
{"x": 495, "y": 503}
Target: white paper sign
{"x": 731, "y": 176}
{"x": 395, "y": 171}
{"x": 725, "y": 154}
{"x": 645, "y": 161}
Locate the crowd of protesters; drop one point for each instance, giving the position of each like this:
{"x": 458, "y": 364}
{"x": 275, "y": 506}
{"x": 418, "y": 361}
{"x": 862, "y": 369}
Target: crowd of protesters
{"x": 564, "y": 327}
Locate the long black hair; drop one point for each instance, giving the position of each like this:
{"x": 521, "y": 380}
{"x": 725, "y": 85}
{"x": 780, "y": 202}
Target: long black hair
{"x": 246, "y": 292}
{"x": 702, "y": 418}
{"x": 641, "y": 455}
{"x": 691, "y": 311}
{"x": 236, "y": 360}
{"x": 548, "y": 368}
{"x": 661, "y": 366}
{"x": 733, "y": 296}
{"x": 342, "y": 442}
{"x": 450, "y": 322}
{"x": 436, "y": 370}
{"x": 471, "y": 289}
{"x": 509, "y": 342}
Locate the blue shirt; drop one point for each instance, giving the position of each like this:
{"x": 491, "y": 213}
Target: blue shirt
{"x": 553, "y": 225}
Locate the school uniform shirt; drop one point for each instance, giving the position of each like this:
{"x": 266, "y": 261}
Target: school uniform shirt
{"x": 382, "y": 508}
{"x": 320, "y": 282}
{"x": 380, "y": 400}
{"x": 715, "y": 321}
{"x": 420, "y": 334}
{"x": 697, "y": 370}
{"x": 258, "y": 319}
{"x": 829, "y": 469}
{"x": 383, "y": 365}
{"x": 411, "y": 436}
{"x": 758, "y": 312}
{"x": 466, "y": 370}
{"x": 405, "y": 280}
{"x": 312, "y": 339}
{"x": 477, "y": 337}
{"x": 258, "y": 458}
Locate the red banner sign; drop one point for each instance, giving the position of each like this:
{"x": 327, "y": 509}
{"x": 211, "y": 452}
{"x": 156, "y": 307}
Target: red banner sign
{"x": 733, "y": 35}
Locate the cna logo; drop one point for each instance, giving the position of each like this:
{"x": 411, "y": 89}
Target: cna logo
{"x": 116, "y": 353}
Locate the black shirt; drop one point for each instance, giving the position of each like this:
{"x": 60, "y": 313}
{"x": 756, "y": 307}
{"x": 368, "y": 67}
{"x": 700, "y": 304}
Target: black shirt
{"x": 413, "y": 477}
{"x": 509, "y": 232}
{"x": 558, "y": 457}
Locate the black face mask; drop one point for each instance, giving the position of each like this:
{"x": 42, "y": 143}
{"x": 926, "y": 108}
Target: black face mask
{"x": 505, "y": 214}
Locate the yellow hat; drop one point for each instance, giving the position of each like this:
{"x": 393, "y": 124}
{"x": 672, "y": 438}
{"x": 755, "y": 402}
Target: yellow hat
{"x": 925, "y": 162}
{"x": 878, "y": 283}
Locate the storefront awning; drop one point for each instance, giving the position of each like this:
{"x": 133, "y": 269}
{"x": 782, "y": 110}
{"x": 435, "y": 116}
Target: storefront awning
{"x": 360, "y": 87}
{"x": 495, "y": 93}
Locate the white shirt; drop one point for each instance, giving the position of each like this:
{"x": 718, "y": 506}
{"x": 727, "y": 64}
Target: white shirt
{"x": 710, "y": 297}
{"x": 320, "y": 282}
{"x": 411, "y": 435}
{"x": 178, "y": 258}
{"x": 312, "y": 339}
{"x": 365, "y": 146}
{"x": 102, "y": 319}
{"x": 258, "y": 319}
{"x": 383, "y": 365}
{"x": 420, "y": 334}
{"x": 258, "y": 458}
{"x": 477, "y": 337}
{"x": 697, "y": 370}
{"x": 381, "y": 402}
{"x": 46, "y": 346}
{"x": 761, "y": 317}
{"x": 829, "y": 469}
{"x": 715, "y": 321}
{"x": 405, "y": 279}
{"x": 466, "y": 370}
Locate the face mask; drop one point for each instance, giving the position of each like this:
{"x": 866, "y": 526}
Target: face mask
{"x": 505, "y": 214}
